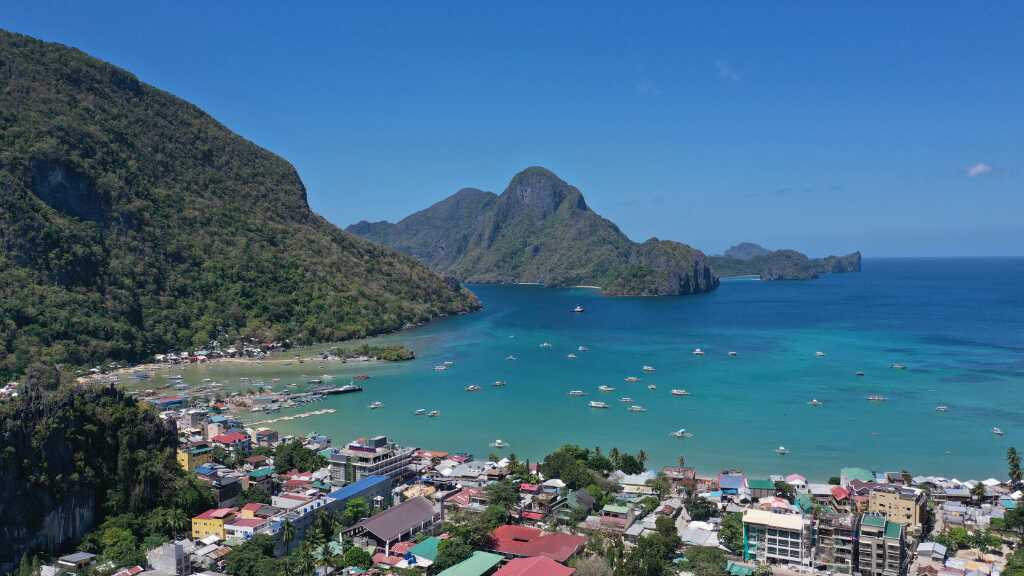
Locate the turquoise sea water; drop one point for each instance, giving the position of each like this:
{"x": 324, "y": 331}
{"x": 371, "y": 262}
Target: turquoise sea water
{"x": 957, "y": 325}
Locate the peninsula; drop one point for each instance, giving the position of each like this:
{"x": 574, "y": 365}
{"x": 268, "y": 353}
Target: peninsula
{"x": 749, "y": 259}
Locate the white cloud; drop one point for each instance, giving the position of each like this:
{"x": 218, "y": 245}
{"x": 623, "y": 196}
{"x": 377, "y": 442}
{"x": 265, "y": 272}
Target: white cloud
{"x": 647, "y": 88}
{"x": 725, "y": 71}
{"x": 979, "y": 169}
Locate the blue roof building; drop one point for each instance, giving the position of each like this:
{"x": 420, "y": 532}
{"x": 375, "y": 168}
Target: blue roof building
{"x": 368, "y": 488}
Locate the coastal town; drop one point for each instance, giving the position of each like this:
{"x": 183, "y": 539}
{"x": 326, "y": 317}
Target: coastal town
{"x": 318, "y": 505}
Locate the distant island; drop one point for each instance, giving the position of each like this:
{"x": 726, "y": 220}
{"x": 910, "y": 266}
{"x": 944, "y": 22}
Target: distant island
{"x": 540, "y": 230}
{"x": 749, "y": 259}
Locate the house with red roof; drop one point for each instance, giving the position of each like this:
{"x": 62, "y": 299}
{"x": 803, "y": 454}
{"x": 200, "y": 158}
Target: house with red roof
{"x": 524, "y": 541}
{"x": 234, "y": 440}
{"x": 534, "y": 566}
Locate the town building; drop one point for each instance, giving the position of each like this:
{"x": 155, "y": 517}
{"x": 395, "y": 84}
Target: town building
{"x": 901, "y": 504}
{"x": 761, "y": 488}
{"x": 837, "y": 542}
{"x": 376, "y": 457}
{"x": 211, "y": 522}
{"x": 773, "y": 538}
{"x": 523, "y": 541}
{"x": 534, "y": 566}
{"x": 170, "y": 558}
{"x": 374, "y": 490}
{"x": 396, "y": 524}
{"x": 194, "y": 454}
{"x": 479, "y": 564}
{"x": 881, "y": 547}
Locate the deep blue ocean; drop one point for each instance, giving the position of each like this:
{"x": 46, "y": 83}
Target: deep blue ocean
{"x": 956, "y": 324}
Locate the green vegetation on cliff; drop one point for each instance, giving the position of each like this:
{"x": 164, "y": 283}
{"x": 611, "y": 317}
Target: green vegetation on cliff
{"x": 78, "y": 458}
{"x": 541, "y": 230}
{"x": 131, "y": 222}
{"x": 750, "y": 259}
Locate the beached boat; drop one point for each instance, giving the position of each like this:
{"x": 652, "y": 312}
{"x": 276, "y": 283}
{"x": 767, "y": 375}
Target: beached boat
{"x": 781, "y": 451}
{"x": 816, "y": 402}
{"x": 596, "y": 404}
{"x": 698, "y": 352}
{"x": 498, "y": 383}
{"x": 679, "y": 392}
{"x": 578, "y": 309}
{"x": 631, "y": 379}
{"x": 626, "y": 400}
{"x": 499, "y": 443}
{"x": 998, "y": 431}
{"x": 941, "y": 408}
{"x": 472, "y": 388}
{"x": 434, "y": 413}
{"x": 604, "y": 388}
{"x": 652, "y": 387}
{"x": 375, "y": 405}
{"x": 576, "y": 393}
{"x": 420, "y": 412}
{"x": 877, "y": 398}
{"x": 637, "y": 408}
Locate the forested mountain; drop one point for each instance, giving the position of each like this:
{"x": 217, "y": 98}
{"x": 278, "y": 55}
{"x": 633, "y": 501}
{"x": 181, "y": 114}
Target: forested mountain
{"x": 540, "y": 229}
{"x": 748, "y": 258}
{"x": 131, "y": 222}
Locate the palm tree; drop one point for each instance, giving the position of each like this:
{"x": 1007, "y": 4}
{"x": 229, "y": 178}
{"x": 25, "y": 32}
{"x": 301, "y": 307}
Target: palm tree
{"x": 306, "y": 563}
{"x": 287, "y": 534}
{"x": 978, "y": 491}
{"x": 642, "y": 457}
{"x": 1013, "y": 462}
{"x": 682, "y": 461}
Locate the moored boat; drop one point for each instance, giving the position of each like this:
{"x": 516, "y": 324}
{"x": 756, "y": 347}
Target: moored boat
{"x": 576, "y": 393}
{"x": 631, "y": 379}
{"x": 375, "y": 405}
{"x": 578, "y": 309}
{"x": 648, "y": 368}
{"x": 472, "y": 388}
{"x": 637, "y": 408}
{"x": 420, "y": 412}
{"x": 781, "y": 451}
{"x": 596, "y": 404}
{"x": 998, "y": 431}
{"x": 816, "y": 402}
{"x": 604, "y": 388}
{"x": 698, "y": 352}
{"x": 679, "y": 392}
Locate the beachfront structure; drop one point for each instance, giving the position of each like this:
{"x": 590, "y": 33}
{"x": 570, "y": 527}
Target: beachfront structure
{"x": 901, "y": 504}
{"x": 376, "y": 457}
{"x": 773, "y": 538}
{"x": 761, "y": 488}
{"x": 837, "y": 542}
{"x": 881, "y": 547}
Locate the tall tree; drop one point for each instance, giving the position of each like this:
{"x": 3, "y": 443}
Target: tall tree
{"x": 1013, "y": 464}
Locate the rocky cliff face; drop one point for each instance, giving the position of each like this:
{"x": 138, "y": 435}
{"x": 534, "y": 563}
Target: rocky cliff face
{"x": 746, "y": 251}
{"x": 540, "y": 229}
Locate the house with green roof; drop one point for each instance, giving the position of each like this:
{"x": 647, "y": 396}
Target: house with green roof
{"x": 479, "y": 564}
{"x": 761, "y": 487}
{"x": 847, "y": 475}
{"x": 426, "y": 549}
{"x": 882, "y": 547}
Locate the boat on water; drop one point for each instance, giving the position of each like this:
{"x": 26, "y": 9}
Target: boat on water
{"x": 631, "y": 379}
{"x": 681, "y": 433}
{"x": 315, "y": 381}
{"x": 375, "y": 405}
{"x": 626, "y": 400}
{"x": 897, "y": 366}
{"x": 498, "y": 383}
{"x": 275, "y": 380}
{"x": 731, "y": 353}
{"x": 576, "y": 393}
{"x": 858, "y": 373}
{"x": 781, "y": 451}
{"x": 596, "y": 404}
{"x": 679, "y": 392}
{"x": 816, "y": 402}
{"x": 360, "y": 377}
{"x": 440, "y": 368}
{"x": 499, "y": 443}
{"x": 180, "y": 377}
{"x": 698, "y": 352}
{"x": 652, "y": 387}
{"x": 877, "y": 398}
{"x": 472, "y": 388}
{"x": 510, "y": 357}
{"x": 545, "y": 344}
{"x": 648, "y": 369}
{"x": 433, "y": 413}
{"x": 570, "y": 356}
{"x": 448, "y": 363}
{"x": 346, "y": 389}
{"x": 604, "y": 388}
{"x": 420, "y": 412}
{"x": 637, "y": 408}
{"x": 578, "y": 309}
{"x": 941, "y": 408}
{"x": 819, "y": 354}
{"x": 998, "y": 431}
{"x": 582, "y": 349}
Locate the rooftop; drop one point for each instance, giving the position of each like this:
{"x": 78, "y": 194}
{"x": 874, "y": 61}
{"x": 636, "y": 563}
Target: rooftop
{"x": 426, "y": 549}
{"x": 476, "y": 565}
{"x": 759, "y": 484}
{"x": 534, "y": 566}
{"x": 874, "y": 520}
{"x": 393, "y": 522}
{"x": 526, "y": 541}
{"x": 893, "y": 530}
{"x": 359, "y": 486}
{"x": 775, "y": 520}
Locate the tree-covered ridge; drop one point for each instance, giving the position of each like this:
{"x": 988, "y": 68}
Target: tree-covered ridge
{"x": 72, "y": 455}
{"x": 540, "y": 229}
{"x": 131, "y": 222}
{"x": 750, "y": 259}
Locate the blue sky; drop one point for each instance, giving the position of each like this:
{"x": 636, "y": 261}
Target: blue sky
{"x": 893, "y": 128}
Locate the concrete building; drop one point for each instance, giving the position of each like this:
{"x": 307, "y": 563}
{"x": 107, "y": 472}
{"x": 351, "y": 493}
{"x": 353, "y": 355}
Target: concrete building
{"x": 837, "y": 542}
{"x": 777, "y": 538}
{"x": 194, "y": 454}
{"x": 376, "y": 457}
{"x": 170, "y": 558}
{"x": 881, "y": 547}
{"x": 906, "y": 506}
{"x": 374, "y": 490}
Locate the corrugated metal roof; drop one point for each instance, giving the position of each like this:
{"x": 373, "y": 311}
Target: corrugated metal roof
{"x": 476, "y": 565}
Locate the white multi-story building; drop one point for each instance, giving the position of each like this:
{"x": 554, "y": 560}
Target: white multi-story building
{"x": 375, "y": 457}
{"x": 776, "y": 538}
